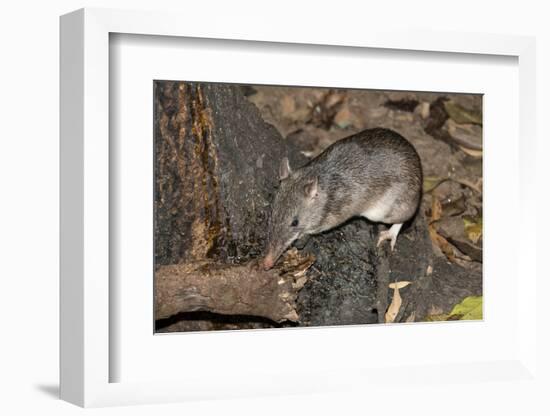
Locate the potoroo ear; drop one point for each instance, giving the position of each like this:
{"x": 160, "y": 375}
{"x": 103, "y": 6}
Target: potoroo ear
{"x": 284, "y": 169}
{"x": 311, "y": 187}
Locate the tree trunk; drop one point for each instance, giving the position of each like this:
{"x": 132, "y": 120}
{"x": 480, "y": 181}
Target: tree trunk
{"x": 216, "y": 168}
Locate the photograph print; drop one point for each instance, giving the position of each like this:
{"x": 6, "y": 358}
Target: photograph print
{"x": 286, "y": 206}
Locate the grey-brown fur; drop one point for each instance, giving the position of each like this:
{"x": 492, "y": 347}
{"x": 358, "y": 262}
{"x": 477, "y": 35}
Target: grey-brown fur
{"x": 375, "y": 174}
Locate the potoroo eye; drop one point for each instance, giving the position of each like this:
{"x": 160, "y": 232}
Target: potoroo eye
{"x": 294, "y": 222}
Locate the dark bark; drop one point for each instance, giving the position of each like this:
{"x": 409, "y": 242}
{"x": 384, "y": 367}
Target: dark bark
{"x": 216, "y": 169}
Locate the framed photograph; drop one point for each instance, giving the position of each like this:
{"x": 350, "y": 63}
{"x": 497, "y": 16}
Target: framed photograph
{"x": 282, "y": 213}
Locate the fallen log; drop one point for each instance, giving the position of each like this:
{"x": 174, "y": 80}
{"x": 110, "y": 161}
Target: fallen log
{"x": 244, "y": 289}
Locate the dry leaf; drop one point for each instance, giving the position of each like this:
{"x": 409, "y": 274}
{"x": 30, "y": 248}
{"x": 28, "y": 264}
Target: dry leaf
{"x": 411, "y": 317}
{"x": 471, "y": 308}
{"x": 462, "y": 115}
{"x": 437, "y": 210}
{"x": 473, "y": 228}
{"x": 436, "y": 238}
{"x": 396, "y": 302}
{"x": 423, "y": 110}
{"x": 399, "y": 285}
{"x": 478, "y": 154}
{"x": 333, "y": 98}
{"x": 442, "y": 243}
{"x": 344, "y": 118}
{"x": 288, "y": 106}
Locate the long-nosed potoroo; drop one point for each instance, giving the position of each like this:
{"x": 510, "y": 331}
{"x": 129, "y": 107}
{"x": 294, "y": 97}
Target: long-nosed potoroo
{"x": 375, "y": 174}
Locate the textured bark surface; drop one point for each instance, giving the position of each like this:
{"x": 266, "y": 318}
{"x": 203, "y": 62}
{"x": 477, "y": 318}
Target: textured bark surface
{"x": 232, "y": 289}
{"x": 216, "y": 170}
{"x": 216, "y": 167}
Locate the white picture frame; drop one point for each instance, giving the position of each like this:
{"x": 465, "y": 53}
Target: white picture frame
{"x": 85, "y": 165}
